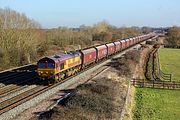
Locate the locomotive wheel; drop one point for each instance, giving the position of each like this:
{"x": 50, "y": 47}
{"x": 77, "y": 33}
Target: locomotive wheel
{"x": 56, "y": 79}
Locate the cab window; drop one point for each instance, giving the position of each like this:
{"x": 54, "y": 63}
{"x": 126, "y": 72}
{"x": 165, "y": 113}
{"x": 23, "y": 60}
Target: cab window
{"x": 41, "y": 65}
{"x": 62, "y": 66}
{"x": 50, "y": 65}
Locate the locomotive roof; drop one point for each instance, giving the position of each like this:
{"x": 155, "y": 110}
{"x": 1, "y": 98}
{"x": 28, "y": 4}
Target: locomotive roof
{"x": 62, "y": 56}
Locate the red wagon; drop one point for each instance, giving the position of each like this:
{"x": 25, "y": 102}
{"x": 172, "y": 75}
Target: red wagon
{"x": 101, "y": 51}
{"x": 88, "y": 56}
{"x": 117, "y": 46}
{"x": 127, "y": 43}
{"x": 123, "y": 44}
{"x": 111, "y": 48}
{"x": 131, "y": 41}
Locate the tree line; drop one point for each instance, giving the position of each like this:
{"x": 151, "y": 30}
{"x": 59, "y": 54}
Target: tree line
{"x": 24, "y": 41}
{"x": 173, "y": 37}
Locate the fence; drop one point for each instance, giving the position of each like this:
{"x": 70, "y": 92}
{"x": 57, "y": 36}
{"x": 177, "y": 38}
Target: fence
{"x": 156, "y": 84}
{"x": 172, "y": 46}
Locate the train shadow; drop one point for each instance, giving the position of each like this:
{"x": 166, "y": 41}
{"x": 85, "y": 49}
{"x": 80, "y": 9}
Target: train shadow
{"x": 121, "y": 65}
{"x": 116, "y": 62}
{"x": 21, "y": 76}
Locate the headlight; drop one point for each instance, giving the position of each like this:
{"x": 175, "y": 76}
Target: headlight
{"x": 40, "y": 72}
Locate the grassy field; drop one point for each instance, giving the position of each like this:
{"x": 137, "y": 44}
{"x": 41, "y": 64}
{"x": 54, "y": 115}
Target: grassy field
{"x": 170, "y": 62}
{"x": 160, "y": 104}
{"x": 157, "y": 104}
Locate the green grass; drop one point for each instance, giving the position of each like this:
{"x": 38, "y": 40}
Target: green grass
{"x": 170, "y": 62}
{"x": 160, "y": 104}
{"x": 157, "y": 104}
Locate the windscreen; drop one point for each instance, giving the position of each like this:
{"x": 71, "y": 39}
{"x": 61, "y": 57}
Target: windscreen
{"x": 45, "y": 65}
{"x": 50, "y": 65}
{"x": 41, "y": 65}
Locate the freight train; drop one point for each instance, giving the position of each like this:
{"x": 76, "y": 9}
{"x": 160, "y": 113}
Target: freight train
{"x": 58, "y": 67}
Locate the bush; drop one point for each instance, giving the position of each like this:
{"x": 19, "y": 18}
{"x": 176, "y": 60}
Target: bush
{"x": 133, "y": 55}
{"x": 173, "y": 36}
{"x": 126, "y": 64}
{"x": 92, "y": 101}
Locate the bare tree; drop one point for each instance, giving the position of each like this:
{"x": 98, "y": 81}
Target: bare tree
{"x": 18, "y": 37}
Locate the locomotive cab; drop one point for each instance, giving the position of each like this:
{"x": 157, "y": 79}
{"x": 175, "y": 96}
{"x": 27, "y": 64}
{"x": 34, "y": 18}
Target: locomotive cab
{"x": 46, "y": 68}
{"x": 55, "y": 68}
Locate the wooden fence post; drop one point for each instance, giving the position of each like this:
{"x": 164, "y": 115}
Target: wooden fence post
{"x": 170, "y": 77}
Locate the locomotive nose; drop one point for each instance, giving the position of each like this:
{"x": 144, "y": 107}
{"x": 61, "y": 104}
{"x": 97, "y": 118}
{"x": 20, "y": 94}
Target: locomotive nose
{"x": 45, "y": 73}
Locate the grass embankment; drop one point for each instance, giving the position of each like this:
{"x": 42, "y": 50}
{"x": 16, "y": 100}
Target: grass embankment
{"x": 95, "y": 101}
{"x": 160, "y": 104}
{"x": 157, "y": 104}
{"x": 170, "y": 62}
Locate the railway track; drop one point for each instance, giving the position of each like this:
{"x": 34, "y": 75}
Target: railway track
{"x": 32, "y": 93}
{"x": 10, "y": 80}
{"x": 14, "y": 81}
{"x": 14, "y": 85}
{"x": 27, "y": 95}
{"x": 13, "y": 88}
{"x": 16, "y": 72}
{"x": 15, "y": 101}
{"x": 69, "y": 92}
{"x": 17, "y": 79}
{"x": 23, "y": 97}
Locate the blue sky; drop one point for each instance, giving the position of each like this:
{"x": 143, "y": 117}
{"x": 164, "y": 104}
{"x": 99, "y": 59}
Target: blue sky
{"x": 72, "y": 13}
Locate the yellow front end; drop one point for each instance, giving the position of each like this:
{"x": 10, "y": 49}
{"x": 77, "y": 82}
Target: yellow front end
{"x": 46, "y": 73}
